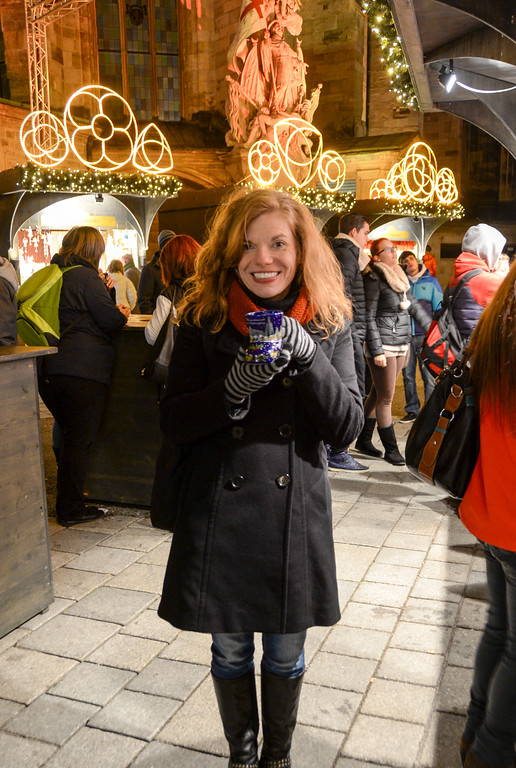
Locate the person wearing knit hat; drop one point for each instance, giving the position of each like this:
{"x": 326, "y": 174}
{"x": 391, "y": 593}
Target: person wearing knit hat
{"x": 151, "y": 284}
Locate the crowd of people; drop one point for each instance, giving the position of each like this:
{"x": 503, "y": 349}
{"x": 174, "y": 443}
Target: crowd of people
{"x": 252, "y": 550}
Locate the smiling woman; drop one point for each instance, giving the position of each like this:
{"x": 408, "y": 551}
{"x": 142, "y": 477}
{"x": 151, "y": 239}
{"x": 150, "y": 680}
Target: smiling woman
{"x": 256, "y": 494}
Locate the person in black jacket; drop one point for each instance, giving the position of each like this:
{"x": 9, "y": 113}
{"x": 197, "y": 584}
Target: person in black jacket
{"x": 151, "y": 284}
{"x": 253, "y": 548}
{"x": 348, "y": 247}
{"x": 389, "y": 306}
{"x": 8, "y": 289}
{"x": 76, "y": 379}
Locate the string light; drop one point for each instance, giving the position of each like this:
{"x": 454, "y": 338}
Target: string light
{"x": 313, "y": 197}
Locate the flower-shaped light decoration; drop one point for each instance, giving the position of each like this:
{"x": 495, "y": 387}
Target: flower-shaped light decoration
{"x": 419, "y": 169}
{"x": 332, "y": 170}
{"x": 111, "y": 140}
{"x": 378, "y": 189}
{"x": 43, "y": 139}
{"x": 445, "y": 187}
{"x": 264, "y": 163}
{"x": 151, "y": 142}
{"x": 395, "y": 183}
{"x": 295, "y": 147}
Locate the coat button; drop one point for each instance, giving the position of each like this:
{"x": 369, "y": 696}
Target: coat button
{"x": 287, "y": 382}
{"x": 237, "y": 433}
{"x": 285, "y": 430}
{"x": 236, "y": 482}
{"x": 283, "y": 480}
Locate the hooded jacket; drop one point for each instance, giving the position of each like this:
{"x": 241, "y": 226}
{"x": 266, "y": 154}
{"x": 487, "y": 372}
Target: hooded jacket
{"x": 150, "y": 285}
{"x": 8, "y": 288}
{"x": 481, "y": 247}
{"x": 429, "y": 294}
{"x": 352, "y": 262}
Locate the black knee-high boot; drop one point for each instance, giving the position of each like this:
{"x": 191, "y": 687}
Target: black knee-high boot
{"x": 280, "y": 702}
{"x": 239, "y": 713}
{"x": 388, "y": 438}
{"x": 364, "y": 443}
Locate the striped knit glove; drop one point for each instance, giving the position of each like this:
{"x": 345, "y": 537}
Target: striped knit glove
{"x": 302, "y": 344}
{"x": 245, "y": 378}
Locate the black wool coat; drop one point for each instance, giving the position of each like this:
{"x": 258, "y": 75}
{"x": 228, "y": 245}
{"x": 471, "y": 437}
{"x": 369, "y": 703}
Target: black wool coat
{"x": 253, "y": 548}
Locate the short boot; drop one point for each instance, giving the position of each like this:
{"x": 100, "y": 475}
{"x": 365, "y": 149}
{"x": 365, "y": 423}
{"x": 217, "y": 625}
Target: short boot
{"x": 364, "y": 443}
{"x": 280, "y": 702}
{"x": 388, "y": 438}
{"x": 239, "y": 714}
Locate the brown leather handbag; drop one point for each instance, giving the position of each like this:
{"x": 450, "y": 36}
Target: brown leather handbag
{"x": 443, "y": 443}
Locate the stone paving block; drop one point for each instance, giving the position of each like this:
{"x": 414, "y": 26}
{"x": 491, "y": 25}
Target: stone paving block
{"x": 421, "y": 637}
{"x": 340, "y": 490}
{"x": 407, "y": 524}
{"x": 61, "y": 558}
{"x": 472, "y": 614}
{"x": 353, "y": 561}
{"x": 104, "y": 560}
{"x": 453, "y": 694}
{"x": 110, "y": 523}
{"x": 194, "y": 647}
{"x": 92, "y": 683}
{"x": 347, "y": 673}
{"x": 132, "y": 713}
{"x": 110, "y": 604}
{"x": 315, "y": 747}
{"x": 174, "y": 679}
{"x": 371, "y": 533}
{"x": 478, "y": 561}
{"x": 412, "y": 558}
{"x": 149, "y": 624}
{"x": 432, "y": 589}
{"x": 384, "y": 741}
{"x": 7, "y": 641}
{"x": 315, "y": 638}
{"x": 463, "y": 647}
{"x": 441, "y": 745}
{"x": 392, "y": 574}
{"x": 25, "y": 674}
{"x": 411, "y": 667}
{"x": 52, "y": 719}
{"x": 408, "y": 541}
{"x": 75, "y": 540}
{"x": 384, "y": 511}
{"x": 399, "y": 701}
{"x": 455, "y": 537}
{"x": 157, "y": 556}
{"x": 126, "y": 652}
{"x": 353, "y": 641}
{"x": 349, "y": 762}
{"x": 70, "y": 583}
{"x": 445, "y": 571}
{"x": 450, "y": 554}
{"x": 57, "y": 606}
{"x": 435, "y": 612}
{"x": 156, "y": 755}
{"x": 137, "y": 539}
{"x": 140, "y": 576}
{"x": 8, "y": 709}
{"x": 369, "y": 616}
{"x": 374, "y": 593}
{"x": 92, "y": 747}
{"x": 328, "y": 708}
{"x": 346, "y": 590}
{"x": 71, "y": 636}
{"x": 18, "y": 752}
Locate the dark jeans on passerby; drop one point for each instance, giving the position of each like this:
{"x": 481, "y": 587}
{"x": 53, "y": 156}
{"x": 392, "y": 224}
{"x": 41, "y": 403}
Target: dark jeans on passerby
{"x": 77, "y": 405}
{"x": 409, "y": 377}
{"x": 491, "y": 716}
{"x": 233, "y": 654}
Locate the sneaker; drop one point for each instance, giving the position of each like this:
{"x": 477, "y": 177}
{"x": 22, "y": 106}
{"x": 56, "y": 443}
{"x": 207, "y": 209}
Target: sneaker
{"x": 408, "y": 418}
{"x": 345, "y": 461}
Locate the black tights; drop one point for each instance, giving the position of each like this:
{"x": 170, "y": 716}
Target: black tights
{"x": 379, "y": 400}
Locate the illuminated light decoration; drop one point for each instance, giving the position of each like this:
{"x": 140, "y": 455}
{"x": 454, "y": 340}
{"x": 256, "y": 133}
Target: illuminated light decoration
{"x": 415, "y": 179}
{"x": 332, "y": 170}
{"x": 43, "y": 138}
{"x": 264, "y": 163}
{"x": 382, "y": 24}
{"x": 102, "y": 129}
{"x": 314, "y": 198}
{"x": 415, "y": 209}
{"x": 291, "y": 139}
{"x": 33, "y": 178}
{"x": 152, "y": 138}
{"x": 445, "y": 187}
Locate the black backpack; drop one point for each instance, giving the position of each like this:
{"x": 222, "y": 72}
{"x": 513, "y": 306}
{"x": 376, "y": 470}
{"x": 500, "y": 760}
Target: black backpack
{"x": 443, "y": 341}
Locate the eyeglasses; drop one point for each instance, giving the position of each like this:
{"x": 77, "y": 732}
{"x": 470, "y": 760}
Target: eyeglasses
{"x": 391, "y": 249}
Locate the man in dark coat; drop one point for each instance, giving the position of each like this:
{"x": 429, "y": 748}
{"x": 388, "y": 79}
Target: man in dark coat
{"x": 151, "y": 284}
{"x": 348, "y": 247}
{"x": 130, "y": 269}
{"x": 8, "y": 288}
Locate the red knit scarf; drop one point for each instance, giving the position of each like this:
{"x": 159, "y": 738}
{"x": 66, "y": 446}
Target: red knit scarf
{"x": 240, "y": 303}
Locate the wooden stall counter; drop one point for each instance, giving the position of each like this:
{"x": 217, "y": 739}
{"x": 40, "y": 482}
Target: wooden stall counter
{"x": 25, "y": 564}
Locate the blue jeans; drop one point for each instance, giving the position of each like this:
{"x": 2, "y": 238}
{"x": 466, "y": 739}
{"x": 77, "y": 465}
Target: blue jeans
{"x": 491, "y": 717}
{"x": 409, "y": 377}
{"x": 233, "y": 654}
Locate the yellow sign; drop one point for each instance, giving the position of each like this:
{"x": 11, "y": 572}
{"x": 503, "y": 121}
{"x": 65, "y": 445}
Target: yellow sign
{"x": 102, "y": 221}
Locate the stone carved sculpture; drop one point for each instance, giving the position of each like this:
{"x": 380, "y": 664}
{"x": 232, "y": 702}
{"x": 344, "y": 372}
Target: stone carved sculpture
{"x": 267, "y": 80}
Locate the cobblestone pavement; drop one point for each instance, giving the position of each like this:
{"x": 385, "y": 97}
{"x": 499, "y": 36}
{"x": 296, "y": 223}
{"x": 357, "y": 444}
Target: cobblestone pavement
{"x": 100, "y": 681}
